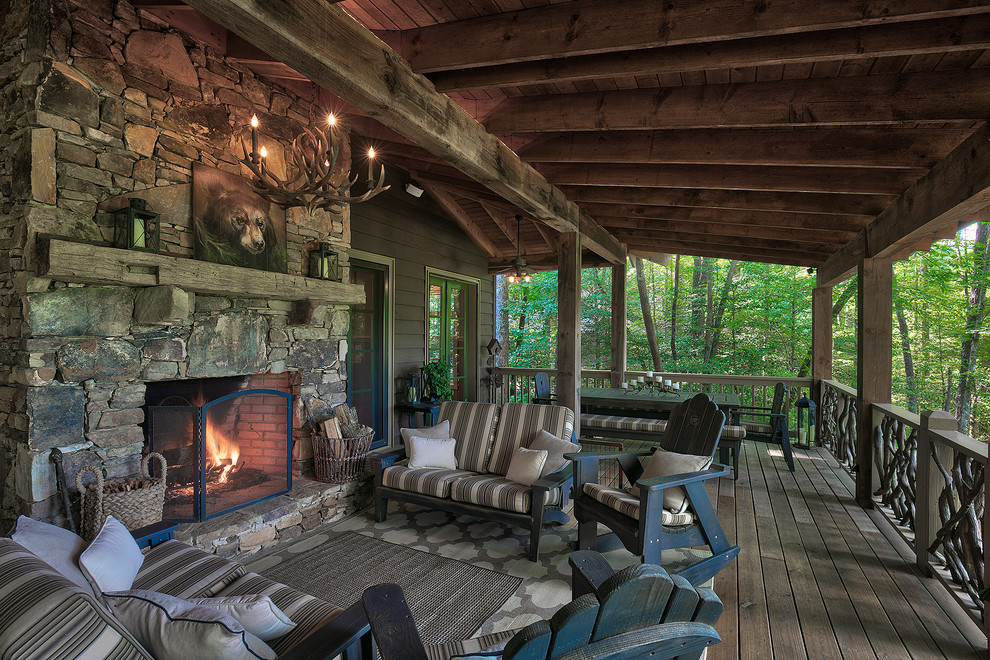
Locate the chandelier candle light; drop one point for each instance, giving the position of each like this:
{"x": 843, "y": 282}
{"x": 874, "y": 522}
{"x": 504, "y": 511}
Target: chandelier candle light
{"x": 314, "y": 154}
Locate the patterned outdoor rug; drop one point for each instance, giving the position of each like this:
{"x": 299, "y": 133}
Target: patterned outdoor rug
{"x": 545, "y": 587}
{"x": 449, "y": 599}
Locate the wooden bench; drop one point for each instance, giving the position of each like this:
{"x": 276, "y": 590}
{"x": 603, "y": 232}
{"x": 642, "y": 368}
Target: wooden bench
{"x": 639, "y": 428}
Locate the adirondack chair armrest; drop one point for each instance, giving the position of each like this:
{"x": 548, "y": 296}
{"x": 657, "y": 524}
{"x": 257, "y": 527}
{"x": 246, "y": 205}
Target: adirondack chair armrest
{"x": 601, "y": 455}
{"x": 348, "y": 631}
{"x": 554, "y": 479}
{"x": 386, "y": 458}
{"x": 672, "y": 480}
{"x": 756, "y": 409}
{"x": 679, "y": 639}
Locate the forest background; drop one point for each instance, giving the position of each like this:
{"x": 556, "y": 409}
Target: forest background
{"x": 754, "y": 319}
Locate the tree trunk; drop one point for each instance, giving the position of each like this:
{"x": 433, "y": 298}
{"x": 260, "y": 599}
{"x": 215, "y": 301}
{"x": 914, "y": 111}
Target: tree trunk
{"x": 975, "y": 315}
{"x": 673, "y": 311}
{"x": 501, "y": 317}
{"x": 909, "y": 375}
{"x": 698, "y": 298}
{"x": 716, "y": 325}
{"x": 947, "y": 403}
{"x": 644, "y": 302}
{"x": 837, "y": 306}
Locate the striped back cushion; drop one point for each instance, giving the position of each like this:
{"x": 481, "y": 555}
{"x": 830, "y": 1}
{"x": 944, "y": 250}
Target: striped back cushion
{"x": 183, "y": 571}
{"x": 44, "y": 615}
{"x": 519, "y": 423}
{"x": 473, "y": 426}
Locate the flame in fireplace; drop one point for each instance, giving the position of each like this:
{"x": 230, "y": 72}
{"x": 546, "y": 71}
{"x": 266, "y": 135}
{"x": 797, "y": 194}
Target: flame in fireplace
{"x": 222, "y": 450}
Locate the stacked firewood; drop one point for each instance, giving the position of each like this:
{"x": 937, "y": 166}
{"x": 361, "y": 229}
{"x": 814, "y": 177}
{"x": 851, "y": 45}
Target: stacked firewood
{"x": 125, "y": 485}
{"x": 343, "y": 424}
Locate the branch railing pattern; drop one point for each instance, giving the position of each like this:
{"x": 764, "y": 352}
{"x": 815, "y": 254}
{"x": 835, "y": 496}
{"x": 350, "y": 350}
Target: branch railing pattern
{"x": 839, "y": 421}
{"x": 895, "y": 453}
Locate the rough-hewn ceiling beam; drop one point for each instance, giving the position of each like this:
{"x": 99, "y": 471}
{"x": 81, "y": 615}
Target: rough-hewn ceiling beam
{"x": 885, "y": 40}
{"x": 736, "y": 177}
{"x": 829, "y": 147}
{"x": 365, "y": 72}
{"x": 449, "y": 204}
{"x": 726, "y": 250}
{"x": 642, "y": 237}
{"x": 818, "y": 236}
{"x": 848, "y": 225}
{"x": 854, "y": 100}
{"x": 956, "y": 189}
{"x": 592, "y": 26}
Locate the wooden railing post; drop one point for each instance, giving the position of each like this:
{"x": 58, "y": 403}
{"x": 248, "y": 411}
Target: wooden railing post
{"x": 618, "y": 362}
{"x": 569, "y": 325}
{"x": 821, "y": 348}
{"x": 929, "y": 485}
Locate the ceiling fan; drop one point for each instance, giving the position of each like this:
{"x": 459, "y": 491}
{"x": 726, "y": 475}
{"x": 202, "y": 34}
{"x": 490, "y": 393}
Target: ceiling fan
{"x": 520, "y": 274}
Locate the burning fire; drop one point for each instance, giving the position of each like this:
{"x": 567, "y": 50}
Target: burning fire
{"x": 222, "y": 451}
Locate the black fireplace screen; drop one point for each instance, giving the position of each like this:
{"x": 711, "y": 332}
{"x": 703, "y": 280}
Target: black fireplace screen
{"x": 223, "y": 454}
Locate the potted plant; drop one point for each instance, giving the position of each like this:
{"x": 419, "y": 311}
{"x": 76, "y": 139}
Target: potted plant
{"x": 436, "y": 381}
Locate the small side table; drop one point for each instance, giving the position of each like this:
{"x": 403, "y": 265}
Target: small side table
{"x": 429, "y": 411}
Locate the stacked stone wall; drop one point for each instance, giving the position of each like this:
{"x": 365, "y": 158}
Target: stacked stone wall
{"x": 121, "y": 105}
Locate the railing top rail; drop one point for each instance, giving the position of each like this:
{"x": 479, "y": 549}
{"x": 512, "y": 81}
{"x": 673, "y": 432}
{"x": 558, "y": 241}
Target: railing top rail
{"x": 525, "y": 371}
{"x": 964, "y": 444}
{"x": 683, "y": 377}
{"x": 836, "y": 385}
{"x": 898, "y": 413}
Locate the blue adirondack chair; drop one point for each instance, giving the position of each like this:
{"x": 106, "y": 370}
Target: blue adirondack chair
{"x": 638, "y": 612}
{"x": 769, "y": 424}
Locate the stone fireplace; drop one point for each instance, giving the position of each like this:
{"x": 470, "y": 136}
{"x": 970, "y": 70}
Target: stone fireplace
{"x": 113, "y": 105}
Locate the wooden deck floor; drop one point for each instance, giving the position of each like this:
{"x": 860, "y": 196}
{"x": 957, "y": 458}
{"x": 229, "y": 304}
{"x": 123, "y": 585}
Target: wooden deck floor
{"x": 819, "y": 577}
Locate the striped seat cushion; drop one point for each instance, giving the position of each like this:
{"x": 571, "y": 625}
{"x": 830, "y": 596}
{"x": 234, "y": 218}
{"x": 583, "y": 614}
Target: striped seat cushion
{"x": 472, "y": 425}
{"x": 428, "y": 481}
{"x": 518, "y": 425}
{"x": 180, "y": 570}
{"x": 44, "y": 615}
{"x": 756, "y": 427}
{"x": 307, "y": 612}
{"x": 498, "y": 493}
{"x": 626, "y": 504}
{"x": 623, "y": 423}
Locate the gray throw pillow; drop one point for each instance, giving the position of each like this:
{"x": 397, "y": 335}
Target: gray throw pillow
{"x": 665, "y": 463}
{"x": 440, "y": 432}
{"x": 555, "y": 448}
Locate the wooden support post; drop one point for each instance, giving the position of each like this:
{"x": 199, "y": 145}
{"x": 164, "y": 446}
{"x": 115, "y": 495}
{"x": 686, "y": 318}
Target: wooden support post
{"x": 821, "y": 348}
{"x": 569, "y": 325}
{"x": 929, "y": 484}
{"x": 618, "y": 364}
{"x": 873, "y": 362}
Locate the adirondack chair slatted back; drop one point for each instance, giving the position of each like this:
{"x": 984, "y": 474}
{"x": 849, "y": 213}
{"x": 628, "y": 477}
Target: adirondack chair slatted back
{"x": 694, "y": 427}
{"x": 633, "y": 598}
{"x": 779, "y": 394}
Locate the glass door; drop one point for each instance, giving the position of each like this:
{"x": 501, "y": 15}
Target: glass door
{"x": 449, "y": 336}
{"x": 367, "y": 356}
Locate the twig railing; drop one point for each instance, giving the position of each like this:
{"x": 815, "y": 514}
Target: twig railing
{"x": 838, "y": 421}
{"x": 895, "y": 454}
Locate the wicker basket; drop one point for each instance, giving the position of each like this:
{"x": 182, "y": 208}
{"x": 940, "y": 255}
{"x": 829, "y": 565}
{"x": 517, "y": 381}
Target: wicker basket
{"x": 133, "y": 508}
{"x": 339, "y": 460}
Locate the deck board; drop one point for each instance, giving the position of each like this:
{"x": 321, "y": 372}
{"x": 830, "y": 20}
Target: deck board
{"x": 820, "y": 577}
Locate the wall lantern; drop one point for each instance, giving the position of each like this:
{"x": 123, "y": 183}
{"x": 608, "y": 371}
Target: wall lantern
{"x": 324, "y": 263}
{"x": 136, "y": 228}
{"x": 805, "y": 422}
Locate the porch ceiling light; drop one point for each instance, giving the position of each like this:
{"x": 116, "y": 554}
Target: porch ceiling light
{"x": 317, "y": 185}
{"x": 520, "y": 275}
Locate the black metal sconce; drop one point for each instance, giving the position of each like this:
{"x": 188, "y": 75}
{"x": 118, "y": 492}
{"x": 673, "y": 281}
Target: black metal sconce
{"x": 324, "y": 263}
{"x": 136, "y": 227}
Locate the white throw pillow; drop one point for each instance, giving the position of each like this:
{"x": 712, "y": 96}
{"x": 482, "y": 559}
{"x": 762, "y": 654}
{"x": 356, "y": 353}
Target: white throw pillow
{"x": 171, "y": 628}
{"x": 431, "y": 452}
{"x": 113, "y": 559}
{"x": 57, "y": 547}
{"x": 665, "y": 463}
{"x": 526, "y": 465}
{"x": 256, "y": 612}
{"x": 440, "y": 431}
{"x": 555, "y": 448}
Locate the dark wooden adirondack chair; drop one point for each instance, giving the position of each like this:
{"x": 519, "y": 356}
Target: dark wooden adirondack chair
{"x": 639, "y": 612}
{"x": 769, "y": 424}
{"x": 641, "y": 524}
{"x": 543, "y": 395}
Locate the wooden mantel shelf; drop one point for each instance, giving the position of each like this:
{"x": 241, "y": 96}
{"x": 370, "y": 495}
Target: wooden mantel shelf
{"x": 69, "y": 261}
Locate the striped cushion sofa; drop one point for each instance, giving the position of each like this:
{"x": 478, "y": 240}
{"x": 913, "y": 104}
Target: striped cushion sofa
{"x": 45, "y": 615}
{"x": 486, "y": 438}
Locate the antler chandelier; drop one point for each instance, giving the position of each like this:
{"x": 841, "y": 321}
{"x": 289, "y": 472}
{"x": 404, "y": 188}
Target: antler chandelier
{"x": 314, "y": 153}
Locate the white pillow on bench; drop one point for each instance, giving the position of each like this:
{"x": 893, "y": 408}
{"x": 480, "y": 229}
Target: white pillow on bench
{"x": 431, "y": 452}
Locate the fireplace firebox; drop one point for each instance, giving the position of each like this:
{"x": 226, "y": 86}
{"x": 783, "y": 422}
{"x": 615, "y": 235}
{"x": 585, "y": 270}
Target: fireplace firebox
{"x": 223, "y": 452}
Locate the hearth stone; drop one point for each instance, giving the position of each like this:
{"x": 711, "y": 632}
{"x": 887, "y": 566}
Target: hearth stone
{"x": 80, "y": 312}
{"x": 55, "y": 416}
{"x": 98, "y": 359}
{"x": 311, "y": 354}
{"x": 64, "y": 93}
{"x": 231, "y": 344}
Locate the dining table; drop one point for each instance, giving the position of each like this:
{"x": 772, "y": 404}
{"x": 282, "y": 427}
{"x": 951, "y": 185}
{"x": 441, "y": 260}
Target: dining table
{"x": 648, "y": 403}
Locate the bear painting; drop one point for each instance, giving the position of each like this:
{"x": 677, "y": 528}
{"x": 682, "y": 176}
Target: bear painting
{"x": 233, "y": 225}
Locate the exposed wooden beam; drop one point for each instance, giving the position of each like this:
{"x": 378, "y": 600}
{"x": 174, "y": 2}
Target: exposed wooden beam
{"x": 498, "y": 217}
{"x": 640, "y": 237}
{"x": 956, "y": 189}
{"x": 703, "y": 249}
{"x": 457, "y": 214}
{"x": 590, "y": 26}
{"x": 846, "y": 147}
{"x": 859, "y": 181}
{"x": 853, "y": 100}
{"x": 866, "y": 206}
{"x": 624, "y": 227}
{"x": 365, "y": 72}
{"x": 883, "y": 40}
{"x": 847, "y": 225}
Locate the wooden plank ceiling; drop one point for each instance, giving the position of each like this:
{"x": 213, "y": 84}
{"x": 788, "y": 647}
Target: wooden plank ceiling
{"x": 730, "y": 128}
